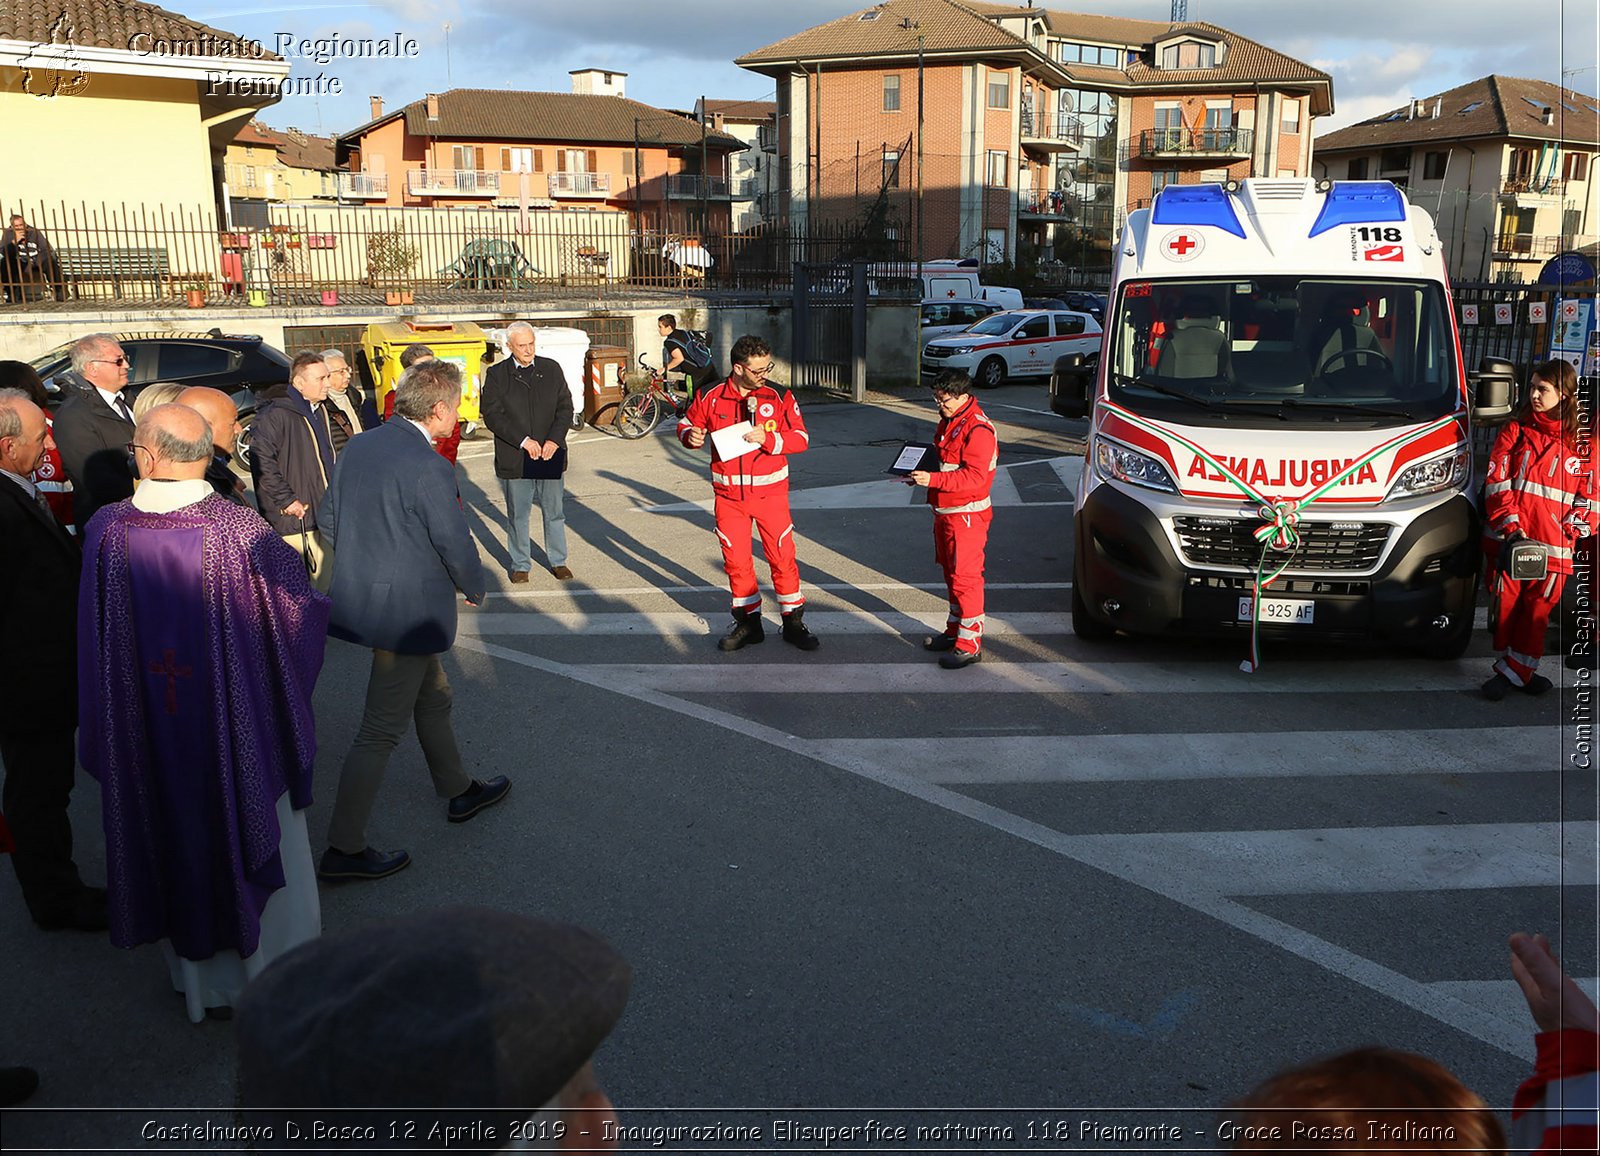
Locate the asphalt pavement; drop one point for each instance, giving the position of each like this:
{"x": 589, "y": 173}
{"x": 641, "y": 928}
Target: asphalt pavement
{"x": 1073, "y": 889}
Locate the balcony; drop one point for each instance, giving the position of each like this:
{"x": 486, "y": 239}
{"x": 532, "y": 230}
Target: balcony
{"x": 1532, "y": 191}
{"x": 767, "y": 138}
{"x": 452, "y": 183}
{"x": 1196, "y": 142}
{"x": 691, "y": 186}
{"x": 580, "y": 185}
{"x": 1050, "y": 134}
{"x": 1537, "y": 246}
{"x": 1043, "y": 205}
{"x": 362, "y": 186}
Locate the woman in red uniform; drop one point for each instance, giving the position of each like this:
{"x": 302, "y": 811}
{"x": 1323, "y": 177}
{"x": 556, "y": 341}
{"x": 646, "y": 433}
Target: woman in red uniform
{"x": 1540, "y": 487}
{"x": 959, "y": 494}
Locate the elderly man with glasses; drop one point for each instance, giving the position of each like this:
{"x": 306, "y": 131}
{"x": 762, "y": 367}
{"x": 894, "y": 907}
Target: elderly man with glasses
{"x": 750, "y": 478}
{"x": 94, "y": 425}
{"x": 343, "y": 405}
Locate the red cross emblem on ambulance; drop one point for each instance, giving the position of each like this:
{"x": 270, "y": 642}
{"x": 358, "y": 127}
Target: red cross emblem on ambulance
{"x": 1182, "y": 245}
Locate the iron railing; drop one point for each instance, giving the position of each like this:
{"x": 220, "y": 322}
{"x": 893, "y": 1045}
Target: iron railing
{"x": 1162, "y": 142}
{"x": 363, "y": 186}
{"x": 580, "y": 184}
{"x": 694, "y": 185}
{"x": 452, "y": 183}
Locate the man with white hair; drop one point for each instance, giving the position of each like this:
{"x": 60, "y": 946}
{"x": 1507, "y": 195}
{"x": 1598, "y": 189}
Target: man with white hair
{"x": 93, "y": 427}
{"x": 528, "y": 408}
{"x": 199, "y": 643}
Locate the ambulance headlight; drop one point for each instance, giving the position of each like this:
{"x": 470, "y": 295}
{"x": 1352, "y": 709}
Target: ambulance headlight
{"x": 1114, "y": 461}
{"x": 1445, "y": 472}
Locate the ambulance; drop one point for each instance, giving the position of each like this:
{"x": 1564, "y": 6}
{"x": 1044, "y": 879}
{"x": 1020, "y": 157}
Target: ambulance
{"x": 1280, "y": 424}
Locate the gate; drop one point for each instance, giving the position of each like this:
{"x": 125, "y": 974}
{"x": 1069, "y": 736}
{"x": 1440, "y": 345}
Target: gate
{"x": 829, "y": 328}
{"x": 1497, "y": 320}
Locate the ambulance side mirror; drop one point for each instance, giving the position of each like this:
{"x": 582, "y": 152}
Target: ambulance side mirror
{"x": 1493, "y": 389}
{"x": 1069, "y": 385}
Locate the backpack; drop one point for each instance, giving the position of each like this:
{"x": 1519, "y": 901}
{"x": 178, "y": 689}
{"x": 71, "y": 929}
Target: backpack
{"x": 697, "y": 347}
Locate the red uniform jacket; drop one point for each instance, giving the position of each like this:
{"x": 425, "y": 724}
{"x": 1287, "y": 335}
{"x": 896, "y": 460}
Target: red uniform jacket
{"x": 1540, "y": 487}
{"x": 766, "y": 470}
{"x": 968, "y": 455}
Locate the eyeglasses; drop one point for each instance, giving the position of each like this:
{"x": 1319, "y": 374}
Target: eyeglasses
{"x": 131, "y": 446}
{"x": 761, "y": 372}
{"x": 118, "y": 361}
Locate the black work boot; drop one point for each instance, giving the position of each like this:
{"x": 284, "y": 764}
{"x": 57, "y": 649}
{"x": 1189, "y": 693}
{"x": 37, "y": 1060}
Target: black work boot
{"x": 795, "y": 632}
{"x": 747, "y": 629}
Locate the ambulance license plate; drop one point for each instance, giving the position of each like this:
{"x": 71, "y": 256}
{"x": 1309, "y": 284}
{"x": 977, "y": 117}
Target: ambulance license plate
{"x": 1281, "y": 611}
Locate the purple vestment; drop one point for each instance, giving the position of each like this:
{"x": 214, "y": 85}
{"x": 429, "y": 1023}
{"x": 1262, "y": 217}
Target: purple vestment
{"x": 199, "y": 642}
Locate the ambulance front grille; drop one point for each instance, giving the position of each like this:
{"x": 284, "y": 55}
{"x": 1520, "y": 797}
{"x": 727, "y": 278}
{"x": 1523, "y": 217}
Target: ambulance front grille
{"x": 1329, "y": 546}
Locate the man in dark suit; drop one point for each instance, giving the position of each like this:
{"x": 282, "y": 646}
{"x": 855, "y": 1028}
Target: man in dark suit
{"x": 528, "y": 408}
{"x": 402, "y": 550}
{"x": 94, "y": 426}
{"x": 38, "y": 679}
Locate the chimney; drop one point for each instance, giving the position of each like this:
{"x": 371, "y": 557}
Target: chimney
{"x": 1549, "y": 117}
{"x": 1438, "y": 107}
{"x": 377, "y": 106}
{"x": 433, "y": 106}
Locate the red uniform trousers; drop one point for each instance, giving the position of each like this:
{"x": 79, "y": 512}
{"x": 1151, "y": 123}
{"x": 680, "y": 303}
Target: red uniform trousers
{"x": 959, "y": 541}
{"x": 770, "y": 513}
{"x": 1520, "y": 611}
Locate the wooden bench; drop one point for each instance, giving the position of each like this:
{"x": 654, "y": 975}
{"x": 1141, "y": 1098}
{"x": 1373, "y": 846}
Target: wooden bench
{"x": 150, "y": 266}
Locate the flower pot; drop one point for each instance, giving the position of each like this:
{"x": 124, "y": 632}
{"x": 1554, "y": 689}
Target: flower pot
{"x": 194, "y": 298}
{"x": 330, "y": 297}
{"x": 397, "y": 297}
{"x": 258, "y": 298}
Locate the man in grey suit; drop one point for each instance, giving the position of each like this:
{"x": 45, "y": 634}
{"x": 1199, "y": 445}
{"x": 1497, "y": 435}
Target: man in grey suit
{"x": 401, "y": 551}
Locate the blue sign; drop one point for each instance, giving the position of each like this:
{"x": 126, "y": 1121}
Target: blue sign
{"x": 1567, "y": 269}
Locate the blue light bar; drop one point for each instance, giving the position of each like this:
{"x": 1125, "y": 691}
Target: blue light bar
{"x": 1196, "y": 205}
{"x": 1360, "y": 203}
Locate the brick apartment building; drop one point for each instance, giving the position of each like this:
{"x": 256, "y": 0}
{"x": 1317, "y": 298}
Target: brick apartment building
{"x": 1035, "y": 131}
{"x": 588, "y": 149}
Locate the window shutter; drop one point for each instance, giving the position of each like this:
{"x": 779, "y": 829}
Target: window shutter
{"x": 538, "y": 160}
{"x": 561, "y": 160}
{"x": 592, "y": 161}
{"x": 505, "y": 160}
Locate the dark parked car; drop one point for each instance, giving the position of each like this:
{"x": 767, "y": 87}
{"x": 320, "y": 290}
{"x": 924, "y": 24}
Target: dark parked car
{"x": 1046, "y": 303}
{"x": 1094, "y": 304}
{"x": 239, "y": 364}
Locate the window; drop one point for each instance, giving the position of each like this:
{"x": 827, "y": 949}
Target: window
{"x": 1068, "y": 324}
{"x": 1522, "y": 162}
{"x": 627, "y": 162}
{"x": 1188, "y": 55}
{"x": 891, "y": 93}
{"x": 891, "y": 169}
{"x": 1169, "y": 127}
{"x": 1434, "y": 165}
{"x": 1291, "y": 116}
{"x": 994, "y": 244}
{"x": 466, "y": 157}
{"x": 1161, "y": 178}
{"x": 1101, "y": 57}
{"x": 1357, "y": 170}
{"x": 516, "y": 160}
{"x": 999, "y": 90}
{"x": 1395, "y": 160}
{"x": 1475, "y": 104}
{"x": 1574, "y": 166}
{"x": 1571, "y": 219}
{"x": 183, "y": 360}
{"x": 998, "y": 170}
{"x": 1035, "y": 327}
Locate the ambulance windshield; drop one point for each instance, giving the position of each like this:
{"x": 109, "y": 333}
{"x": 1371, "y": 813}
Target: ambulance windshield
{"x": 1373, "y": 348}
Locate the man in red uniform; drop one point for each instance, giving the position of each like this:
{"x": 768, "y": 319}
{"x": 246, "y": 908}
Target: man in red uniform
{"x": 752, "y": 485}
{"x": 959, "y": 494}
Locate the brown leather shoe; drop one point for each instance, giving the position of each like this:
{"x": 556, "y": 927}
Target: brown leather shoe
{"x": 519, "y": 575}
{"x": 562, "y": 573}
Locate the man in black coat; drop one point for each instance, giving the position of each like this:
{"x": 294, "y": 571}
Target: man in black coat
{"x": 94, "y": 426}
{"x": 38, "y": 680}
{"x": 528, "y": 407}
{"x": 28, "y": 265}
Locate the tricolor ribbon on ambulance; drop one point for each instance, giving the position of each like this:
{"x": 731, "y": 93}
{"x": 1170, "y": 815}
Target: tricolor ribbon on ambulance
{"x": 1279, "y": 531}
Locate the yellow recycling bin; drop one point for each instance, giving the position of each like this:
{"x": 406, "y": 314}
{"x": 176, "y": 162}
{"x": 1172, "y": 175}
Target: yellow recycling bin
{"x": 460, "y": 342}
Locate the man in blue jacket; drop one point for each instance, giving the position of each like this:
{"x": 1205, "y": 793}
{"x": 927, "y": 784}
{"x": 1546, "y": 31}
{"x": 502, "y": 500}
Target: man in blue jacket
{"x": 401, "y": 552}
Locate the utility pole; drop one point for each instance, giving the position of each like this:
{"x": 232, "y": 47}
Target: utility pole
{"x": 705, "y": 177}
{"x": 916, "y": 216}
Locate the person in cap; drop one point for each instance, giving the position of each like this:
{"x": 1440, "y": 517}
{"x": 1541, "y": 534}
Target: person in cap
{"x": 468, "y": 1017}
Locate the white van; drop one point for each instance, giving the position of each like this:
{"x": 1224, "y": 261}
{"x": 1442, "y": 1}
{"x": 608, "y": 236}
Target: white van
{"x": 943, "y": 316}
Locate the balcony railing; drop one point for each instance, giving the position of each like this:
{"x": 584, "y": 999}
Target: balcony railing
{"x": 452, "y": 183}
{"x": 692, "y": 185}
{"x": 1533, "y": 187}
{"x": 1034, "y": 203}
{"x": 767, "y": 138}
{"x": 1538, "y": 246}
{"x": 1050, "y": 133}
{"x": 1215, "y": 142}
{"x": 363, "y": 186}
{"x": 580, "y": 184}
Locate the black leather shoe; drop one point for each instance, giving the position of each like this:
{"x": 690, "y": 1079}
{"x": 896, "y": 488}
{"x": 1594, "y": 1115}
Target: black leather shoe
{"x": 1536, "y": 684}
{"x": 747, "y": 631}
{"x": 366, "y": 864}
{"x": 1495, "y": 689}
{"x": 478, "y": 796}
{"x": 83, "y": 910}
{"x": 939, "y": 642}
{"x": 16, "y": 1085}
{"x": 796, "y": 634}
{"x": 956, "y": 659}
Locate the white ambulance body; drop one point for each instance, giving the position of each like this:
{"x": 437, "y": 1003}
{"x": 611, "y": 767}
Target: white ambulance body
{"x": 1265, "y": 340}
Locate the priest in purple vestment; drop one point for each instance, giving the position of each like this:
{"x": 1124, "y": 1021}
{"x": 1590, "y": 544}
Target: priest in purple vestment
{"x": 199, "y": 643}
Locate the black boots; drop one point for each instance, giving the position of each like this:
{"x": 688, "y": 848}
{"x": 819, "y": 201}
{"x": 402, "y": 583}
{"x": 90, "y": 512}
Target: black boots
{"x": 747, "y": 629}
{"x": 795, "y": 632}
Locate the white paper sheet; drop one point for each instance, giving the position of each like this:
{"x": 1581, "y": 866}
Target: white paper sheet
{"x": 729, "y": 441}
{"x": 908, "y": 459}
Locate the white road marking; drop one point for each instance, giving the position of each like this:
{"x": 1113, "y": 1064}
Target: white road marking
{"x": 1146, "y": 758}
{"x": 569, "y": 591}
{"x": 1498, "y": 997}
{"x": 1508, "y": 1036}
{"x": 680, "y": 623}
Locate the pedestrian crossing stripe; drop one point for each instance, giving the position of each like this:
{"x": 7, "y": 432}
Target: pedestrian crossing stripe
{"x": 892, "y": 493}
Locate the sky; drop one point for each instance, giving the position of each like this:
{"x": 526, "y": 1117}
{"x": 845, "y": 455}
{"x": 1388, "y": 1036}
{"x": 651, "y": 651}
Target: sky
{"x": 1380, "y": 53}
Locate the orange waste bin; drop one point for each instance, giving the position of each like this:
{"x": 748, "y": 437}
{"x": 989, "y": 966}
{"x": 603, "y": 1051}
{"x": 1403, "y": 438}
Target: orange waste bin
{"x": 605, "y": 369}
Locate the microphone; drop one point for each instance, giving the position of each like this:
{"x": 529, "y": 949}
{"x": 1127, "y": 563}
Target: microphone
{"x": 750, "y": 406}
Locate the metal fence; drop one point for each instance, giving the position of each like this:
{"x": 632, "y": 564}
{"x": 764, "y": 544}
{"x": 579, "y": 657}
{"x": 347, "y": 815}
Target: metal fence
{"x": 332, "y": 254}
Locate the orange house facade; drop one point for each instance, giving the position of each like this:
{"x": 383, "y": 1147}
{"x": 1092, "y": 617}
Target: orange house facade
{"x": 583, "y": 151}
{"x": 1023, "y": 134}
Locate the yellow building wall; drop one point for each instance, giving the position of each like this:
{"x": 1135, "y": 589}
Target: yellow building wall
{"x": 121, "y": 140}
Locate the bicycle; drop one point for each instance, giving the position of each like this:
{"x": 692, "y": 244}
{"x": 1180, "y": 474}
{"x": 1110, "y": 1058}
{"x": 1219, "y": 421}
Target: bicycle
{"x": 641, "y": 412}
